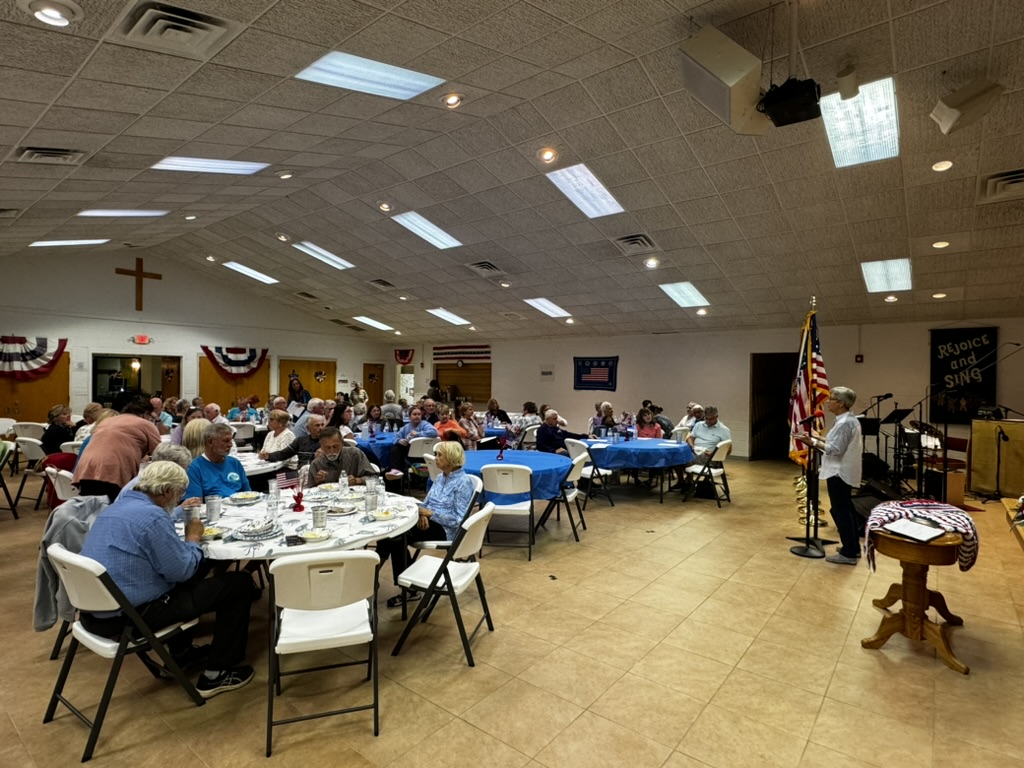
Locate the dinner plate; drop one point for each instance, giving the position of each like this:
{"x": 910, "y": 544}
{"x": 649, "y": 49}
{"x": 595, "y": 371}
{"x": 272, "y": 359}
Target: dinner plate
{"x": 315, "y": 535}
{"x": 213, "y": 532}
{"x": 329, "y": 487}
{"x": 384, "y": 514}
{"x": 343, "y": 509}
{"x": 243, "y": 499}
{"x": 262, "y": 536}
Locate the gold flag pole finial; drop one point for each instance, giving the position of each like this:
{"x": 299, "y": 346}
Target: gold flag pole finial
{"x": 814, "y": 302}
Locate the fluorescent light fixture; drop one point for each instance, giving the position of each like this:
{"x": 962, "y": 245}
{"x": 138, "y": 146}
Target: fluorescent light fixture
{"x": 115, "y": 213}
{"x": 581, "y": 186}
{"x": 206, "y": 165}
{"x": 429, "y": 232}
{"x": 548, "y": 307}
{"x": 48, "y": 243}
{"x": 343, "y": 70}
{"x": 888, "y": 275}
{"x": 249, "y": 272}
{"x": 863, "y": 129}
{"x": 373, "y": 323}
{"x": 325, "y": 256}
{"x": 685, "y": 294}
{"x": 447, "y": 316}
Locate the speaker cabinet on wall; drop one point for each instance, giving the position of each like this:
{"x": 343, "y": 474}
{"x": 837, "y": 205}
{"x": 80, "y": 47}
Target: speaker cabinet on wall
{"x": 725, "y": 78}
{"x": 966, "y": 105}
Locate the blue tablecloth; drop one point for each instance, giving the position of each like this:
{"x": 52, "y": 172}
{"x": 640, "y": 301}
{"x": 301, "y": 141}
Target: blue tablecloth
{"x": 496, "y": 431}
{"x": 379, "y": 448}
{"x": 645, "y": 453}
{"x": 548, "y": 471}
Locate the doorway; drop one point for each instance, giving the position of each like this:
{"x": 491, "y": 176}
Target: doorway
{"x": 771, "y": 383}
{"x": 119, "y": 379}
{"x": 373, "y": 382}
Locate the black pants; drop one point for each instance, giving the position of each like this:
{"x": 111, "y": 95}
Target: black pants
{"x": 229, "y": 596}
{"x": 844, "y": 515}
{"x": 398, "y": 548}
{"x": 99, "y": 488}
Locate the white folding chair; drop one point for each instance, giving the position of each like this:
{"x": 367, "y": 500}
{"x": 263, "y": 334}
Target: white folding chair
{"x": 714, "y": 474}
{"x": 72, "y": 446}
{"x": 7, "y": 450}
{"x": 596, "y": 477}
{"x": 33, "y": 452}
{"x": 245, "y": 435}
{"x": 418, "y": 448}
{"x": 91, "y": 589}
{"x": 528, "y": 440}
{"x": 31, "y": 429}
{"x": 61, "y": 481}
{"x": 570, "y": 494}
{"x": 418, "y": 546}
{"x": 6, "y": 426}
{"x": 451, "y": 576}
{"x": 679, "y": 434}
{"x": 431, "y": 461}
{"x": 322, "y": 601}
{"x": 512, "y": 479}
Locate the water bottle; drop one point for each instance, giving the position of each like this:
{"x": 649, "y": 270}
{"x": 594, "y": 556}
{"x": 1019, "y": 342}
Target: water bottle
{"x": 343, "y": 483}
{"x": 273, "y": 498}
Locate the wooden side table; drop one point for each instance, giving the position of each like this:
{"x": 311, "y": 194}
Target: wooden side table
{"x": 915, "y": 557}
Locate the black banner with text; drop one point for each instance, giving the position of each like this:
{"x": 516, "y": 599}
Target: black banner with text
{"x": 963, "y": 373}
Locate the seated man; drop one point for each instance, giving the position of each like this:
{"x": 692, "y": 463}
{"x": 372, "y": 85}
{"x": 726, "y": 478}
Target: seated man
{"x": 215, "y": 472}
{"x": 241, "y": 411}
{"x": 163, "y": 420}
{"x": 430, "y": 411}
{"x": 162, "y": 576}
{"x": 314, "y": 407}
{"x": 336, "y": 457}
{"x": 707, "y": 434}
{"x": 304, "y": 447}
{"x": 212, "y": 412}
{"x": 551, "y": 437}
{"x": 416, "y": 427}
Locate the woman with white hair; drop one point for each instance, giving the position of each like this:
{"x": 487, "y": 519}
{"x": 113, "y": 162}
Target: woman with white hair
{"x": 391, "y": 410}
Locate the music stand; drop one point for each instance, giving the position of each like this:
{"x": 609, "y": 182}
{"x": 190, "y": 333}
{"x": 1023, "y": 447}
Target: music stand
{"x": 869, "y": 427}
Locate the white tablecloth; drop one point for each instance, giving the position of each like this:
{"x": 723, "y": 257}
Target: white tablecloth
{"x": 254, "y": 465}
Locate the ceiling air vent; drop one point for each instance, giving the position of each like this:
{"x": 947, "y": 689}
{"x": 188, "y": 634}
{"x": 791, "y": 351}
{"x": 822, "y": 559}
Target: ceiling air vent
{"x": 999, "y": 187}
{"x": 486, "y": 269}
{"x": 168, "y": 29}
{"x": 512, "y": 316}
{"x": 633, "y": 245}
{"x": 50, "y": 156}
{"x": 9, "y": 213}
{"x": 381, "y": 285}
{"x": 343, "y": 324}
{"x": 307, "y": 296}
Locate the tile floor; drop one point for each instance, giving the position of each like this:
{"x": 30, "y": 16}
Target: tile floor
{"x": 673, "y": 635}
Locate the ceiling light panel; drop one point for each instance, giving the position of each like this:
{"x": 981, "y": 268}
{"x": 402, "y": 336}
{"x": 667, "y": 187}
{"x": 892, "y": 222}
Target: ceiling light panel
{"x": 206, "y": 165}
{"x": 323, "y": 255}
{"x": 373, "y": 323}
{"x": 54, "y": 243}
{"x": 354, "y": 73}
{"x": 581, "y": 186}
{"x": 888, "y": 275}
{"x": 429, "y": 232}
{"x": 685, "y": 294}
{"x": 448, "y": 317}
{"x": 548, "y": 307}
{"x": 863, "y": 129}
{"x": 99, "y": 213}
{"x": 249, "y": 272}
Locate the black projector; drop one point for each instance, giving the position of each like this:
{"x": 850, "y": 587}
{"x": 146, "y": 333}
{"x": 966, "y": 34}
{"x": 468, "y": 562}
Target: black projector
{"x": 795, "y": 101}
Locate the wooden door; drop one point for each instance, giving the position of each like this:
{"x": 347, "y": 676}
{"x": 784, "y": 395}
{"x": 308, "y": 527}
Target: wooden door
{"x": 307, "y": 371}
{"x": 771, "y": 381}
{"x": 215, "y": 387}
{"x": 373, "y": 382}
{"x": 170, "y": 376}
{"x": 470, "y": 383}
{"x": 32, "y": 400}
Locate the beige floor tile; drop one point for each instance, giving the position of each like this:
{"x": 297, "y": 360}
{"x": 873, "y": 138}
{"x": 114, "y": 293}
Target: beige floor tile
{"x": 734, "y": 616}
{"x": 765, "y": 577}
{"x": 635, "y": 566}
{"x": 872, "y": 738}
{"x": 572, "y": 676}
{"x": 505, "y": 604}
{"x": 522, "y": 715}
{"x": 549, "y": 622}
{"x": 596, "y": 742}
{"x": 510, "y": 650}
{"x": 875, "y": 691}
{"x": 713, "y": 565}
{"x": 690, "y": 581}
{"x": 610, "y": 645}
{"x": 792, "y": 633}
{"x": 725, "y": 739}
{"x": 802, "y": 669}
{"x": 817, "y": 756}
{"x": 670, "y": 557}
{"x": 615, "y": 584}
{"x": 708, "y": 640}
{"x": 642, "y": 620}
{"x": 585, "y": 602}
{"x": 760, "y": 598}
{"x": 649, "y": 708}
{"x": 459, "y": 742}
{"x": 538, "y": 586}
{"x": 679, "y": 760}
{"x": 952, "y": 753}
{"x": 687, "y": 672}
{"x": 985, "y": 719}
{"x": 456, "y": 686}
{"x": 770, "y": 702}
{"x": 668, "y": 599}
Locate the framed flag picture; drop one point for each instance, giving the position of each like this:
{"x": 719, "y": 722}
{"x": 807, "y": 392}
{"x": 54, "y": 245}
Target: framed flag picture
{"x": 598, "y": 373}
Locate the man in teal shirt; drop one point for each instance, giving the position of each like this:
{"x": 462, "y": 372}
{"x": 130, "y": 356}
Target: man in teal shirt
{"x": 216, "y": 472}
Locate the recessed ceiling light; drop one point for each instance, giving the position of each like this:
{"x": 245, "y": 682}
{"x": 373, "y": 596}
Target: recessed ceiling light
{"x": 651, "y": 262}
{"x": 547, "y": 154}
{"x": 865, "y": 128}
{"x": 581, "y": 186}
{"x": 211, "y": 258}
{"x": 99, "y": 213}
{"x": 569, "y": 321}
{"x": 354, "y": 73}
{"x": 702, "y": 312}
{"x": 472, "y": 328}
{"x": 53, "y": 12}
{"x": 385, "y": 206}
{"x": 891, "y": 299}
{"x": 685, "y": 294}
{"x": 447, "y": 316}
{"x": 282, "y": 237}
{"x": 452, "y": 100}
{"x": 940, "y": 244}
{"x": 191, "y": 217}
{"x": 548, "y": 307}
{"x": 325, "y": 256}
{"x": 373, "y": 323}
{"x": 888, "y": 275}
{"x": 398, "y": 333}
{"x": 942, "y": 165}
{"x": 432, "y": 233}
{"x": 938, "y": 295}
{"x": 285, "y": 174}
{"x": 206, "y": 165}
{"x": 403, "y": 297}
{"x": 504, "y": 283}
{"x": 48, "y": 243}
{"x": 249, "y": 272}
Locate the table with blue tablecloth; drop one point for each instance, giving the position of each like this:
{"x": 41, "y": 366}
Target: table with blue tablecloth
{"x": 548, "y": 470}
{"x": 497, "y": 431}
{"x": 643, "y": 453}
{"x": 378, "y": 449}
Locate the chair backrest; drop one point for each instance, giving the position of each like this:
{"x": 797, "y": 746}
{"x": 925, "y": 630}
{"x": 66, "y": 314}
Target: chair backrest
{"x": 80, "y": 576}
{"x": 72, "y": 446}
{"x": 244, "y": 430}
{"x": 6, "y": 426}
{"x": 576, "y": 469}
{"x": 31, "y": 448}
{"x": 957, "y": 444}
{"x": 322, "y": 580}
{"x": 680, "y": 433}
{"x": 6, "y": 451}
{"x": 721, "y": 451}
{"x": 60, "y": 479}
{"x": 431, "y": 461}
{"x": 419, "y": 446}
{"x": 575, "y": 447}
{"x": 31, "y": 429}
{"x": 507, "y": 478}
{"x": 471, "y": 537}
{"x": 529, "y": 438}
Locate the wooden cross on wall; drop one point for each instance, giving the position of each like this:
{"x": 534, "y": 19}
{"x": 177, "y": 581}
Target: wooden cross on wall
{"x": 139, "y": 274}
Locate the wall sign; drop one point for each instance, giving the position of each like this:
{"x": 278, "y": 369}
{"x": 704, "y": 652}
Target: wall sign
{"x": 963, "y": 373}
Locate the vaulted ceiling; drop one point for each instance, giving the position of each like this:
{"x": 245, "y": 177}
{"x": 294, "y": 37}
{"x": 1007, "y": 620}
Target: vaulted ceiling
{"x": 757, "y": 224}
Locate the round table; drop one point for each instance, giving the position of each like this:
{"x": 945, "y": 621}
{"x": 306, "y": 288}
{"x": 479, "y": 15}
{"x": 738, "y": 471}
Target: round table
{"x": 643, "y": 453}
{"x": 255, "y": 466}
{"x": 378, "y": 449}
{"x": 549, "y": 469}
{"x": 498, "y": 431}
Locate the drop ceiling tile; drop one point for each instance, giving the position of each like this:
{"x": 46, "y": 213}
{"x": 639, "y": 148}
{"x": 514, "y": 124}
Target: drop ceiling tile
{"x": 24, "y": 114}
{"x": 286, "y": 140}
{"x": 128, "y": 66}
{"x": 687, "y": 185}
{"x": 638, "y": 195}
{"x": 195, "y": 107}
{"x": 703, "y": 210}
{"x": 645, "y": 123}
{"x": 620, "y": 87}
{"x": 626, "y": 17}
{"x": 472, "y": 176}
{"x": 259, "y": 51}
{"x": 729, "y": 251}
{"x": 538, "y": 85}
{"x": 878, "y": 230}
{"x": 738, "y": 174}
{"x": 669, "y": 156}
{"x": 394, "y": 40}
{"x": 941, "y": 195}
{"x": 453, "y": 58}
{"x": 262, "y": 116}
{"x": 234, "y": 135}
{"x": 1007, "y": 65}
{"x": 999, "y": 215}
{"x": 593, "y": 139}
{"x": 919, "y": 89}
{"x": 571, "y": 221}
{"x": 878, "y": 206}
{"x": 716, "y": 232}
{"x": 521, "y": 123}
{"x": 592, "y": 62}
{"x": 869, "y": 178}
{"x": 500, "y": 74}
{"x": 1002, "y": 155}
{"x": 479, "y": 138}
{"x": 797, "y": 193}
{"x": 511, "y": 28}
{"x": 314, "y": 23}
{"x": 558, "y": 47}
{"x": 941, "y": 31}
{"x": 507, "y": 165}
{"x": 615, "y": 170}
{"x": 567, "y": 106}
{"x": 771, "y": 223}
{"x": 753, "y": 200}
{"x": 538, "y": 191}
{"x": 42, "y": 50}
{"x": 824, "y": 214}
{"x": 689, "y": 115}
{"x": 798, "y": 161}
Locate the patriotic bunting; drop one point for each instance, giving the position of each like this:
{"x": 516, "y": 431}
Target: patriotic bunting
{"x": 810, "y": 389}
{"x": 25, "y": 360}
{"x": 236, "y": 362}
{"x": 463, "y": 352}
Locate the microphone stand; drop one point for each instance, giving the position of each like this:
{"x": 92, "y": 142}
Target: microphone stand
{"x": 1001, "y": 437}
{"x": 1007, "y": 409}
{"x": 811, "y": 546}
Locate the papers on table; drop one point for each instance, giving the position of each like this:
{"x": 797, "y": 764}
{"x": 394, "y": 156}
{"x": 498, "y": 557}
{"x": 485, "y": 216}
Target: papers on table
{"x": 913, "y": 529}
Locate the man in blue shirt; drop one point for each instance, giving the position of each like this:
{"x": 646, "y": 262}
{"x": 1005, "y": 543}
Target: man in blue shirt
{"x": 162, "y": 576}
{"x": 215, "y": 472}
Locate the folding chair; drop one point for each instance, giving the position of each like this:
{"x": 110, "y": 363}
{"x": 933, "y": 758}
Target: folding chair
{"x": 61, "y": 481}
{"x": 431, "y": 462}
{"x": 513, "y": 480}
{"x": 7, "y": 450}
{"x": 245, "y": 435}
{"x": 418, "y": 447}
{"x": 709, "y": 473}
{"x": 595, "y": 476}
{"x": 570, "y": 493}
{"x": 33, "y": 452}
{"x": 91, "y": 589}
{"x": 528, "y": 439}
{"x": 451, "y": 576}
{"x": 72, "y": 446}
{"x": 322, "y": 601}
{"x": 418, "y": 546}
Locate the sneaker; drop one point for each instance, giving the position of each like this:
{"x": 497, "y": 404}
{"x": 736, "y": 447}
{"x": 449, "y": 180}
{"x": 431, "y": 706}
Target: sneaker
{"x": 394, "y": 474}
{"x": 842, "y": 559}
{"x": 228, "y": 680}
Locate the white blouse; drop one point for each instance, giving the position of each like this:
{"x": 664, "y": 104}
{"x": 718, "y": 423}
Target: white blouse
{"x": 280, "y": 442}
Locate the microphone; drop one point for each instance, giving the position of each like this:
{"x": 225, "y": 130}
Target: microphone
{"x": 818, "y": 414}
{"x": 886, "y": 396}
{"x": 1002, "y": 435}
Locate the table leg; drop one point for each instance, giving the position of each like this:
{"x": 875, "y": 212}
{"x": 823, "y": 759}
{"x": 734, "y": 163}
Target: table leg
{"x": 915, "y": 598}
{"x": 891, "y": 624}
{"x": 938, "y": 602}
{"x": 895, "y": 593}
{"x": 937, "y": 635}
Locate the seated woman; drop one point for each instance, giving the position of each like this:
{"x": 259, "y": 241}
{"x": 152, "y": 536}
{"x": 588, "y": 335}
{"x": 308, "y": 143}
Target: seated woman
{"x": 447, "y": 428}
{"x": 473, "y": 427}
{"x": 279, "y": 436}
{"x": 58, "y": 430}
{"x": 358, "y": 415}
{"x": 178, "y": 433}
{"x": 545, "y": 408}
{"x": 84, "y": 425}
{"x": 646, "y": 426}
{"x": 441, "y": 512}
{"x": 529, "y": 418}
{"x": 344, "y": 419}
{"x": 193, "y": 436}
{"x": 495, "y": 416}
{"x": 374, "y": 419}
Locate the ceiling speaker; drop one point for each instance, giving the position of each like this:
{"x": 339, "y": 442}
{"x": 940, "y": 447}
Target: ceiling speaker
{"x": 725, "y": 78}
{"x": 967, "y": 105}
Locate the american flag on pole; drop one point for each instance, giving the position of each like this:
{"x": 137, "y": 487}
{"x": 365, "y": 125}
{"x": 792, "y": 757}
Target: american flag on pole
{"x": 810, "y": 389}
{"x": 287, "y": 479}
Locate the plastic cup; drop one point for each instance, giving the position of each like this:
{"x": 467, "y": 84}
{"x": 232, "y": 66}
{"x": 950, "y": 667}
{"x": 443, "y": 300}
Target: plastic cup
{"x": 319, "y": 517}
{"x": 212, "y": 508}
